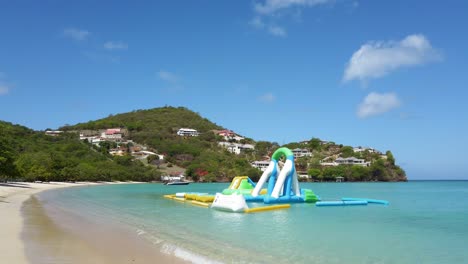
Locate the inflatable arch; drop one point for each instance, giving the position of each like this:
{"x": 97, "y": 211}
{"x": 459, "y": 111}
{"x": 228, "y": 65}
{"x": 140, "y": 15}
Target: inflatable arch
{"x": 283, "y": 186}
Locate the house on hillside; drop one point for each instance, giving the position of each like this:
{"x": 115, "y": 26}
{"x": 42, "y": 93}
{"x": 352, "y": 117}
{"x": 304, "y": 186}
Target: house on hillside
{"x": 362, "y": 149}
{"x": 113, "y": 134}
{"x": 344, "y": 161}
{"x": 352, "y": 161}
{"x": 187, "y": 132}
{"x": 53, "y": 133}
{"x": 236, "y": 148}
{"x": 262, "y": 165}
{"x": 298, "y": 152}
{"x": 93, "y": 139}
{"x": 229, "y": 135}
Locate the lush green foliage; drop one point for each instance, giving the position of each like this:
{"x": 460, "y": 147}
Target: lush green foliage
{"x": 31, "y": 156}
{"x": 380, "y": 170}
{"x": 201, "y": 156}
{"x": 34, "y": 156}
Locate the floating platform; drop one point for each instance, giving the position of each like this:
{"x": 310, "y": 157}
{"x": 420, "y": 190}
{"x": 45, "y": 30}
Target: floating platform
{"x": 340, "y": 203}
{"x": 199, "y": 199}
{"x": 373, "y": 201}
{"x": 267, "y": 208}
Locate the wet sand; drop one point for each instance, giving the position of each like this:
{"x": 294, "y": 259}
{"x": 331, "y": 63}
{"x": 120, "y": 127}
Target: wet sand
{"x": 35, "y": 233}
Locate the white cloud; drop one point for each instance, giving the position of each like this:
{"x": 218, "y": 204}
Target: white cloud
{"x": 257, "y": 23}
{"x": 168, "y": 76}
{"x": 277, "y": 31}
{"x": 268, "y": 12}
{"x": 377, "y": 59}
{"x": 173, "y": 81}
{"x": 270, "y": 7}
{"x": 267, "y": 98}
{"x": 76, "y": 34}
{"x": 4, "y": 89}
{"x": 115, "y": 45}
{"x": 376, "y": 104}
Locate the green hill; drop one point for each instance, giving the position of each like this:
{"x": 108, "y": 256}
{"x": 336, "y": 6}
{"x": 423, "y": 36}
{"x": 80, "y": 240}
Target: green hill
{"x": 378, "y": 166}
{"x": 157, "y": 128}
{"x": 32, "y": 155}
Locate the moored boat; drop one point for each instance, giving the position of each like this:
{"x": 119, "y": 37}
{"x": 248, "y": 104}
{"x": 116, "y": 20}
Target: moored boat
{"x": 177, "y": 183}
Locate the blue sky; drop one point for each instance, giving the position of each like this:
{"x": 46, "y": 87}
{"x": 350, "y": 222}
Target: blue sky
{"x": 386, "y": 74}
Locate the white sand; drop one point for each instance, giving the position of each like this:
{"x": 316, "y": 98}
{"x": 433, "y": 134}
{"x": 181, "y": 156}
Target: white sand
{"x": 12, "y": 196}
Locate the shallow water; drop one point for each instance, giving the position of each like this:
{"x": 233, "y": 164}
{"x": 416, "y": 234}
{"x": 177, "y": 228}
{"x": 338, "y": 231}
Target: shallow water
{"x": 426, "y": 222}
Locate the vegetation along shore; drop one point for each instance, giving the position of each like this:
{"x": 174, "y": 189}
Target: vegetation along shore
{"x": 160, "y": 143}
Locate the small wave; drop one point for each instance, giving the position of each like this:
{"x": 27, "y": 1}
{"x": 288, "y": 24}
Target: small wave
{"x": 186, "y": 255}
{"x": 140, "y": 232}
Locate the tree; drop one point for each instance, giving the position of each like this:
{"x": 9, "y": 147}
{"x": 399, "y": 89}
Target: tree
{"x": 254, "y": 174}
{"x": 378, "y": 171}
{"x": 347, "y": 151}
{"x": 263, "y": 148}
{"x": 359, "y": 173}
{"x": 390, "y": 157}
{"x": 314, "y": 173}
{"x": 315, "y": 144}
{"x": 301, "y": 163}
{"x": 7, "y": 166}
{"x": 330, "y": 173}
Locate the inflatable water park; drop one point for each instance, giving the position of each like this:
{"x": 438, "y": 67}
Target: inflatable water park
{"x": 282, "y": 189}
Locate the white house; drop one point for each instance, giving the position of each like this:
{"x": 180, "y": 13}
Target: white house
{"x": 236, "y": 148}
{"x": 352, "y": 161}
{"x": 262, "y": 165}
{"x": 187, "y": 132}
{"x": 53, "y": 133}
{"x": 344, "y": 161}
{"x": 362, "y": 149}
{"x": 298, "y": 152}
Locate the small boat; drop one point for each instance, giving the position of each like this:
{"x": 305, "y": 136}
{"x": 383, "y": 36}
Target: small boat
{"x": 177, "y": 183}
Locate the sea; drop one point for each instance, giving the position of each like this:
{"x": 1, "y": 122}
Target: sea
{"x": 425, "y": 222}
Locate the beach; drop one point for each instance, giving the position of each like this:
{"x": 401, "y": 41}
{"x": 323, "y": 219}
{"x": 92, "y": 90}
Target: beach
{"x": 31, "y": 235}
{"x": 12, "y": 196}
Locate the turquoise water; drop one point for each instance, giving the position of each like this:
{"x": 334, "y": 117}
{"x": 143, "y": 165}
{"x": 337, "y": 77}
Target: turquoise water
{"x": 426, "y": 222}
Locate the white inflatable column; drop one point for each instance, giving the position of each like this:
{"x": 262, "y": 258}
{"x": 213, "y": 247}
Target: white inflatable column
{"x": 266, "y": 174}
{"x": 295, "y": 185}
{"x": 287, "y": 168}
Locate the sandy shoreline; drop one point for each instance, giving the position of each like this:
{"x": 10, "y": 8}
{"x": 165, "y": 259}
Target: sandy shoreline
{"x": 12, "y": 196}
{"x": 30, "y": 235}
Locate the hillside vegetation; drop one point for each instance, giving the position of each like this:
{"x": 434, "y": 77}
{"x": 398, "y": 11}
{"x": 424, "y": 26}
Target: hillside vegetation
{"x": 157, "y": 128}
{"x": 382, "y": 166}
{"x": 30, "y": 155}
